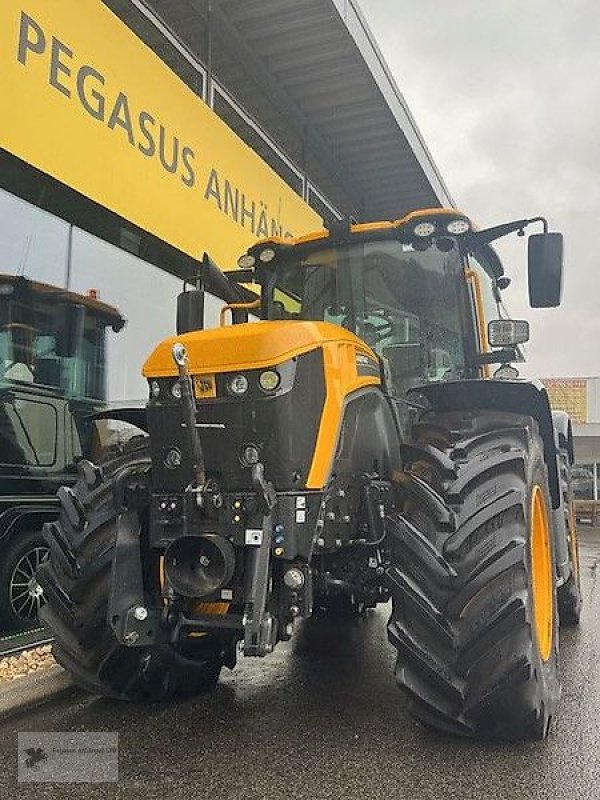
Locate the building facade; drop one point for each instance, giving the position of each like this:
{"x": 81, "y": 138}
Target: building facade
{"x": 580, "y": 398}
{"x": 139, "y": 135}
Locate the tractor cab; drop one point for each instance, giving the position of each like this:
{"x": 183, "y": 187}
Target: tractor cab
{"x": 419, "y": 291}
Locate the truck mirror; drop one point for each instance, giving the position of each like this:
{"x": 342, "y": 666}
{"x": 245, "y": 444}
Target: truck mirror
{"x": 70, "y": 330}
{"x": 545, "y": 262}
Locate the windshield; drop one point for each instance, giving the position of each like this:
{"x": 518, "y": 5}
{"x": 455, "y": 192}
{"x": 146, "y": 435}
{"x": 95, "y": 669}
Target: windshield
{"x": 406, "y": 304}
{"x": 51, "y": 344}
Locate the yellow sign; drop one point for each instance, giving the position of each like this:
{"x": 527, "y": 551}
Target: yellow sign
{"x": 570, "y": 395}
{"x": 84, "y": 100}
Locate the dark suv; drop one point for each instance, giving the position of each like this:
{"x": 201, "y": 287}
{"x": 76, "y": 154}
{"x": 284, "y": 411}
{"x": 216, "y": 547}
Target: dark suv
{"x": 52, "y": 378}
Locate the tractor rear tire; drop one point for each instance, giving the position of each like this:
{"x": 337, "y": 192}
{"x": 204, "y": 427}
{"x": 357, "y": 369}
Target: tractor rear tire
{"x": 76, "y": 581}
{"x": 474, "y": 613}
{"x": 570, "y": 598}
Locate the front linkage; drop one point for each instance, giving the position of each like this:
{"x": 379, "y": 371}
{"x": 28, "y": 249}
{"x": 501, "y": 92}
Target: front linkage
{"x": 241, "y": 566}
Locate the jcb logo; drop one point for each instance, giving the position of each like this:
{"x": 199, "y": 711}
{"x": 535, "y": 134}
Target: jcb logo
{"x": 204, "y": 386}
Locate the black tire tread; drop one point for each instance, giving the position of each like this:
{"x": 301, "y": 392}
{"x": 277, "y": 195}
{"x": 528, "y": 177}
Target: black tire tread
{"x": 76, "y": 580}
{"x": 462, "y": 620}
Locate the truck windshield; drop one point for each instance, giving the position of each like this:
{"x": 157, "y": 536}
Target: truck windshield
{"x": 406, "y": 304}
{"x": 45, "y": 344}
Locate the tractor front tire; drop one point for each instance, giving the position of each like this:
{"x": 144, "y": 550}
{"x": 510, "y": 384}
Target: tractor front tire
{"x": 474, "y": 616}
{"x": 76, "y": 580}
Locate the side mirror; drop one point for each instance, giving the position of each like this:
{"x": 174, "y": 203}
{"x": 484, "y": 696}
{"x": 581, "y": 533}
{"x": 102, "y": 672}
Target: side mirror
{"x": 545, "y": 262}
{"x": 508, "y": 332}
{"x": 190, "y": 311}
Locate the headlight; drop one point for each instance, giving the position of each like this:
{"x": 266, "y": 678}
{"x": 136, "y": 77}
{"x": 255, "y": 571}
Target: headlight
{"x": 155, "y": 388}
{"x": 458, "y": 226}
{"x": 424, "y": 229}
{"x": 176, "y": 390}
{"x": 238, "y": 385}
{"x": 246, "y": 261}
{"x": 269, "y": 380}
{"x": 266, "y": 255}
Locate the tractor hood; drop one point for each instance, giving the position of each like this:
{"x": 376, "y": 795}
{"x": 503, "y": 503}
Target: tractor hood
{"x": 252, "y": 345}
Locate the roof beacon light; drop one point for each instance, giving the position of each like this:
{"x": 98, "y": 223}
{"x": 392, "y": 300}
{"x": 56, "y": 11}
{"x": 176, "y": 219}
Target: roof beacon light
{"x": 246, "y": 261}
{"x": 458, "y": 227}
{"x": 266, "y": 255}
{"x": 424, "y": 229}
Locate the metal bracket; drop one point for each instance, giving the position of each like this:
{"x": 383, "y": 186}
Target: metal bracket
{"x": 132, "y": 623}
{"x": 259, "y": 625}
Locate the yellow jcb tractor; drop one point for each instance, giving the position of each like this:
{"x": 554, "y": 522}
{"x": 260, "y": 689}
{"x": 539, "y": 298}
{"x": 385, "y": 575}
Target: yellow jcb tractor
{"x": 367, "y": 440}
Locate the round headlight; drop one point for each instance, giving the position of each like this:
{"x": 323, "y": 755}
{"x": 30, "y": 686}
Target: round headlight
{"x": 246, "y": 261}
{"x": 424, "y": 229}
{"x": 458, "y": 226}
{"x": 266, "y": 255}
{"x": 155, "y": 388}
{"x": 238, "y": 385}
{"x": 269, "y": 380}
{"x": 176, "y": 391}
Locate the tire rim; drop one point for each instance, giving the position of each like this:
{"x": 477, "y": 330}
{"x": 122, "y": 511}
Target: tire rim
{"x": 25, "y": 593}
{"x": 541, "y": 574}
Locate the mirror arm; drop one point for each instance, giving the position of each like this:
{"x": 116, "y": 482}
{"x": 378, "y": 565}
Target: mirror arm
{"x": 497, "y": 232}
{"x": 505, "y": 356}
{"x": 543, "y": 220}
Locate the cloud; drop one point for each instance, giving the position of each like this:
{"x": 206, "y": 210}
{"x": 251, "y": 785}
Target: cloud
{"x": 507, "y": 96}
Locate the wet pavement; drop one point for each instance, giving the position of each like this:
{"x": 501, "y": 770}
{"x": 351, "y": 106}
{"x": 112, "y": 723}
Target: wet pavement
{"x": 322, "y": 718}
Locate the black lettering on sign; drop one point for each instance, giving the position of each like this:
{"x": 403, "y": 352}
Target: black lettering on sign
{"x": 169, "y": 162}
{"x": 149, "y": 148}
{"x": 248, "y": 213}
{"x": 213, "y": 189}
{"x": 189, "y": 176}
{"x": 262, "y": 229}
{"x": 90, "y": 98}
{"x": 232, "y": 201}
{"x": 57, "y": 66}
{"x": 240, "y": 208}
{"x": 121, "y": 116}
{"x": 88, "y": 86}
{"x": 31, "y": 37}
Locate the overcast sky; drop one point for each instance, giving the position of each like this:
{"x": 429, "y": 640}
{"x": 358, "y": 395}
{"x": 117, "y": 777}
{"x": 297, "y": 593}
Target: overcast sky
{"x": 507, "y": 96}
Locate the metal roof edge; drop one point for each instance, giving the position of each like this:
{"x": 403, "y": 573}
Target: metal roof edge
{"x": 358, "y": 27}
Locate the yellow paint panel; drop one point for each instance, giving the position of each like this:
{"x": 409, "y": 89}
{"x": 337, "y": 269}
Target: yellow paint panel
{"x": 341, "y": 379}
{"x": 474, "y": 282}
{"x": 252, "y": 345}
{"x": 84, "y": 100}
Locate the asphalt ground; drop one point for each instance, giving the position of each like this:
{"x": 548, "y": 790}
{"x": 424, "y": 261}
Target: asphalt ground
{"x": 322, "y": 718}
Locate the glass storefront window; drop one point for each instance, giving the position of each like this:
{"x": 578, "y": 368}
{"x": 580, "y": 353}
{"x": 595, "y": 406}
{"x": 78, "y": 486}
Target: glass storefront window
{"x": 584, "y": 481}
{"x": 33, "y": 243}
{"x": 144, "y": 294}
